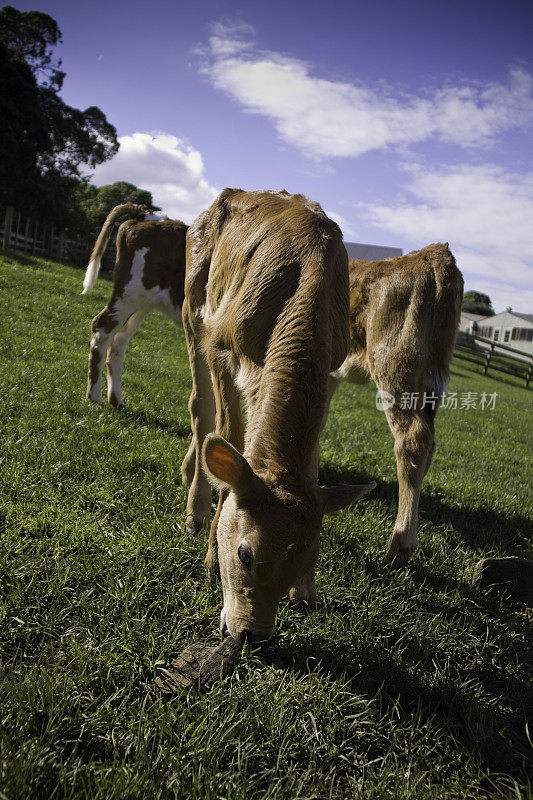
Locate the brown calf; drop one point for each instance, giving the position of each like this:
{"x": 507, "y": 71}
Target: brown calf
{"x": 404, "y": 314}
{"x": 149, "y": 275}
{"x": 266, "y": 318}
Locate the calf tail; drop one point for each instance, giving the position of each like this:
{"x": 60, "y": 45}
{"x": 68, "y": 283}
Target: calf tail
{"x": 118, "y": 214}
{"x": 448, "y": 282}
{"x": 449, "y": 296}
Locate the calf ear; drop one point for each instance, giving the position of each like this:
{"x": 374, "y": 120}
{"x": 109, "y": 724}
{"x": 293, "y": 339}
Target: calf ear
{"x": 336, "y": 497}
{"x": 227, "y": 468}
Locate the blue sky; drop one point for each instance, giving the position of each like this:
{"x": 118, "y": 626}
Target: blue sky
{"x": 409, "y": 122}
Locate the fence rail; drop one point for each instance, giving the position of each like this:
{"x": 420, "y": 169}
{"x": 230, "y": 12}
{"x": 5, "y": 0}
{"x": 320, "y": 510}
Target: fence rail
{"x": 488, "y": 355}
{"x": 19, "y": 231}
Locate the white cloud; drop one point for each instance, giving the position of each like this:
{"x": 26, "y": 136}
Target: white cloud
{"x": 345, "y": 226}
{"x": 331, "y": 118}
{"x": 483, "y": 211}
{"x": 164, "y": 165}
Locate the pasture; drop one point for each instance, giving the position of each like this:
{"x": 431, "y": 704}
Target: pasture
{"x": 409, "y": 684}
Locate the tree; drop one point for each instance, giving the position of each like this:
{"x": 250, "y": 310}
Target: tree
{"x": 31, "y": 37}
{"x": 24, "y": 131}
{"x": 93, "y": 204}
{"x": 477, "y": 303}
{"x": 113, "y": 194}
{"x": 56, "y": 140}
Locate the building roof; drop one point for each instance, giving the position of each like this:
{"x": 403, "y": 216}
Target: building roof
{"x": 527, "y": 317}
{"x": 473, "y": 317}
{"x": 371, "y": 252}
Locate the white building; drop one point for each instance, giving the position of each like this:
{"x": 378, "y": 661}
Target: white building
{"x": 469, "y": 323}
{"x": 509, "y": 327}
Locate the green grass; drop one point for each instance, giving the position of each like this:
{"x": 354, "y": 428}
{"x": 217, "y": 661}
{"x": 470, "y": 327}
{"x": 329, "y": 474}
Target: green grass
{"x": 405, "y": 684}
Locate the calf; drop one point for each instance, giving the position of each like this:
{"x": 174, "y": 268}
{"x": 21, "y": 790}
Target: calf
{"x": 266, "y": 319}
{"x": 149, "y": 275}
{"x": 404, "y": 314}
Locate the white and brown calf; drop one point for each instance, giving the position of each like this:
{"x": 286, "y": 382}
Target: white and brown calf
{"x": 266, "y": 319}
{"x": 149, "y": 275}
{"x": 404, "y": 314}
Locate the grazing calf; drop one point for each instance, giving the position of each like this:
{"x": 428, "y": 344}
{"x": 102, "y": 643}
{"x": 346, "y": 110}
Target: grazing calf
{"x": 149, "y": 275}
{"x": 266, "y": 318}
{"x": 404, "y": 314}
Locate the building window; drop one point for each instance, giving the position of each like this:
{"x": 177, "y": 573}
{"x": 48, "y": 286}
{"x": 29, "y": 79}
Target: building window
{"x": 496, "y": 334}
{"x": 507, "y": 335}
{"x": 522, "y": 335}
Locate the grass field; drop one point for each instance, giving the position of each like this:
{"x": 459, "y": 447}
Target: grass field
{"x": 408, "y": 684}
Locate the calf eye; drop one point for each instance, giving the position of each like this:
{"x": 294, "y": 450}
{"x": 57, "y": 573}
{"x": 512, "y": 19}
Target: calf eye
{"x": 245, "y": 556}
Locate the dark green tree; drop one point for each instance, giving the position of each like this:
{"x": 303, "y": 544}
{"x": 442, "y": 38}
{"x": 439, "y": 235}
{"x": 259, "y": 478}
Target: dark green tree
{"x": 113, "y": 194}
{"x": 31, "y": 37}
{"x": 24, "y": 131}
{"x": 477, "y": 303}
{"x": 56, "y": 141}
{"x": 93, "y": 204}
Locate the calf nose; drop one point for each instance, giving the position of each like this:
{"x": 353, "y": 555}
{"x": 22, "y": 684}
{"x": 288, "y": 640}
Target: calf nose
{"x": 246, "y": 636}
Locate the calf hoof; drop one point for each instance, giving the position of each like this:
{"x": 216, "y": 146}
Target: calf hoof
{"x": 302, "y": 597}
{"x": 118, "y": 404}
{"x": 193, "y": 526}
{"x": 96, "y": 401}
{"x": 211, "y": 563}
{"x": 397, "y": 556}
{"x": 303, "y": 604}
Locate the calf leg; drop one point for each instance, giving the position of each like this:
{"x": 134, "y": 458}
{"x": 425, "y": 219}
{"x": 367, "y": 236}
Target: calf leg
{"x": 103, "y": 328}
{"x": 230, "y": 425}
{"x": 202, "y": 410}
{"x": 332, "y": 385}
{"x": 115, "y": 357}
{"x": 188, "y": 465}
{"x": 304, "y": 590}
{"x": 414, "y": 442}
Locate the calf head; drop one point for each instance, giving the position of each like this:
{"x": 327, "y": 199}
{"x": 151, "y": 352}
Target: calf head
{"x": 268, "y": 537}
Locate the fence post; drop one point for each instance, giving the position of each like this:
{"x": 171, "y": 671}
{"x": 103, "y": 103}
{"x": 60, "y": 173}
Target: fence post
{"x": 26, "y": 234}
{"x": 528, "y": 376}
{"x": 8, "y": 224}
{"x": 488, "y": 358}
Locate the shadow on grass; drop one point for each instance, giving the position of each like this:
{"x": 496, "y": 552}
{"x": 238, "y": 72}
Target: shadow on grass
{"x": 479, "y": 699}
{"x": 172, "y": 427}
{"x": 491, "y": 725}
{"x": 480, "y": 529}
{"x": 26, "y": 259}
{"x": 29, "y": 259}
